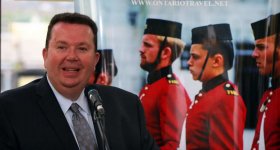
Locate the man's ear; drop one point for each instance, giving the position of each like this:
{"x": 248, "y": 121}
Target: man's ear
{"x": 96, "y": 58}
{"x": 166, "y": 53}
{"x": 45, "y": 55}
{"x": 218, "y": 60}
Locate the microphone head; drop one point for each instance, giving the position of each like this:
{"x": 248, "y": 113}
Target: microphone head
{"x": 92, "y": 92}
{"x": 94, "y": 96}
{"x": 96, "y": 101}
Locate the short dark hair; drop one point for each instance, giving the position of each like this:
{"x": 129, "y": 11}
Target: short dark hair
{"x": 73, "y": 18}
{"x": 225, "y": 48}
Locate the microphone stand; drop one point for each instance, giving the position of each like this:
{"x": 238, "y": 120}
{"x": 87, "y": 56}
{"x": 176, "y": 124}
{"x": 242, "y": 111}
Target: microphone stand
{"x": 100, "y": 121}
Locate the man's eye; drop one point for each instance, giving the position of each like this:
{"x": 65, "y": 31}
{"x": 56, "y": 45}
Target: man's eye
{"x": 61, "y": 47}
{"x": 83, "y": 49}
{"x": 195, "y": 57}
{"x": 261, "y": 47}
{"x": 147, "y": 44}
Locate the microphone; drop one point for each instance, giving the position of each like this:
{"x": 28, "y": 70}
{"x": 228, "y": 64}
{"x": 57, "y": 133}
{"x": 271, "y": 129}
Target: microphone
{"x": 99, "y": 112}
{"x": 96, "y": 101}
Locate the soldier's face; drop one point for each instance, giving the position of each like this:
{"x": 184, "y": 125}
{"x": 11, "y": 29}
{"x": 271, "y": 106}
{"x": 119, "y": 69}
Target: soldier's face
{"x": 149, "y": 50}
{"x": 70, "y": 57}
{"x": 263, "y": 53}
{"x": 197, "y": 58}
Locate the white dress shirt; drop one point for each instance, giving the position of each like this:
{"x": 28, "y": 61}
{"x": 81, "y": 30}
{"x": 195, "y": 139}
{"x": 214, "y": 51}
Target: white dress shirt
{"x": 65, "y": 104}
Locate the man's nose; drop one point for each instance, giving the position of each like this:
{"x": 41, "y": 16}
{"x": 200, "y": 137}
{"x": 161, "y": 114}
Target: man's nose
{"x": 255, "y": 54}
{"x": 189, "y": 61}
{"x": 72, "y": 54}
{"x": 141, "y": 50}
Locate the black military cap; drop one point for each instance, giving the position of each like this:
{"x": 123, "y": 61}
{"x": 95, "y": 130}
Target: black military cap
{"x": 217, "y": 39}
{"x": 106, "y": 62}
{"x": 163, "y": 28}
{"x": 216, "y": 32}
{"x": 266, "y": 27}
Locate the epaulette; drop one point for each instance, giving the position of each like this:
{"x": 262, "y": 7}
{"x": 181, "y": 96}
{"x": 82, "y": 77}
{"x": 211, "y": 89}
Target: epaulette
{"x": 230, "y": 90}
{"x": 171, "y": 79}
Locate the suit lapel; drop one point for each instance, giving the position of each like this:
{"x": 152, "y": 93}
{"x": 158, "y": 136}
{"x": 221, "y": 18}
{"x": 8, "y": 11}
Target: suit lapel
{"x": 113, "y": 120}
{"x": 50, "y": 107}
{"x": 110, "y": 122}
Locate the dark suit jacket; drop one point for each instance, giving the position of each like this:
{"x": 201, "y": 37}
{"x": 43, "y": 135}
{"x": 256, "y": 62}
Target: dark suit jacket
{"x": 31, "y": 119}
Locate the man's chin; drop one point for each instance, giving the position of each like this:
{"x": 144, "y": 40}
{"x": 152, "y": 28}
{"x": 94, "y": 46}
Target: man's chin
{"x": 195, "y": 78}
{"x": 71, "y": 83}
{"x": 145, "y": 69}
{"x": 148, "y": 68}
{"x": 262, "y": 72}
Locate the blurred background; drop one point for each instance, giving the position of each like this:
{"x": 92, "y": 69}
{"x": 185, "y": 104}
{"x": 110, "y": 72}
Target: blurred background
{"x": 121, "y": 24}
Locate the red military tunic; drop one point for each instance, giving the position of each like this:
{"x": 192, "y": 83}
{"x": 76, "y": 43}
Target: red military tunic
{"x": 271, "y": 121}
{"x": 165, "y": 101}
{"x": 216, "y": 118}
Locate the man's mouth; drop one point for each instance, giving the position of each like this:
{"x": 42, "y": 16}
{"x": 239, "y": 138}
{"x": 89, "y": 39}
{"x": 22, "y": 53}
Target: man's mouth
{"x": 191, "y": 71}
{"x": 258, "y": 64}
{"x": 142, "y": 56}
{"x": 71, "y": 69}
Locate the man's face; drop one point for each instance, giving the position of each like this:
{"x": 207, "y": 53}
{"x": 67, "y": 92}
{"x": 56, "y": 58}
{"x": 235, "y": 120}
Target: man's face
{"x": 197, "y": 58}
{"x": 263, "y": 53}
{"x": 149, "y": 50}
{"x": 70, "y": 57}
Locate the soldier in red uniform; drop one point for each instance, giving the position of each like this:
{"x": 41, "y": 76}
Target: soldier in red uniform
{"x": 164, "y": 98}
{"x": 267, "y": 55}
{"x": 216, "y": 117}
{"x": 105, "y": 69}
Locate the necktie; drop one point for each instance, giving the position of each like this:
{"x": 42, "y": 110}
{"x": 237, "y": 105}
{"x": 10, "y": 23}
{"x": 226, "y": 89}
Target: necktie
{"x": 84, "y": 134}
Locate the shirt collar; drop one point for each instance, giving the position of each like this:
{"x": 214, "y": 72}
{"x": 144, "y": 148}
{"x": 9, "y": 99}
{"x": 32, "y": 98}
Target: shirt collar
{"x": 275, "y": 83}
{"x": 65, "y": 103}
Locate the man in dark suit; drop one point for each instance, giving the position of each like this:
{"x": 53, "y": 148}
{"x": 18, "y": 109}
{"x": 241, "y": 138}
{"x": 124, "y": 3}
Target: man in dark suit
{"x": 40, "y": 116}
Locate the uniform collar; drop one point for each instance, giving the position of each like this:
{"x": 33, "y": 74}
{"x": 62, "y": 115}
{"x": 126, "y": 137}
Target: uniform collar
{"x": 156, "y": 75}
{"x": 214, "y": 82}
{"x": 276, "y": 83}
